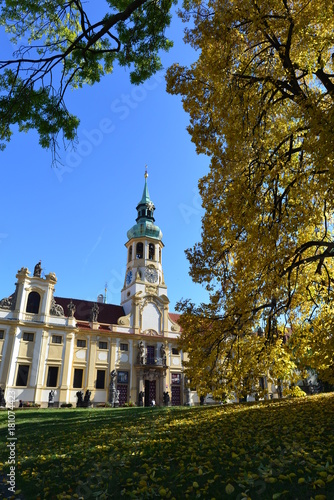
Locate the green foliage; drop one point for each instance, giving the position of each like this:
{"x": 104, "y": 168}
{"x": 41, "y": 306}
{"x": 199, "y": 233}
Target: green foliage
{"x": 57, "y": 48}
{"x": 271, "y": 450}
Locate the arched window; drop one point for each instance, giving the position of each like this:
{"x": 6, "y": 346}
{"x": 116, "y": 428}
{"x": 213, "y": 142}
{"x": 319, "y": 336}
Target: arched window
{"x": 139, "y": 251}
{"x": 151, "y": 251}
{"x": 160, "y": 255}
{"x": 34, "y": 300}
{"x": 130, "y": 253}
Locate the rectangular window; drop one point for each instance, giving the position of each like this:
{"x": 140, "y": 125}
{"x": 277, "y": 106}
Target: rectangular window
{"x": 150, "y": 358}
{"x": 176, "y": 378}
{"x": 100, "y": 379}
{"x": 28, "y": 336}
{"x": 22, "y": 375}
{"x": 77, "y": 379}
{"x": 124, "y": 347}
{"x": 122, "y": 377}
{"x": 2, "y": 334}
{"x": 52, "y": 376}
{"x": 57, "y": 339}
{"x": 81, "y": 343}
{"x": 175, "y": 351}
{"x": 103, "y": 345}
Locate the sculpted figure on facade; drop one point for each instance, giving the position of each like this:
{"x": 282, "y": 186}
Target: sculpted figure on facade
{"x": 87, "y": 401}
{"x": 56, "y": 309}
{"x": 112, "y": 388}
{"x": 38, "y": 269}
{"x": 71, "y": 309}
{"x": 79, "y": 396}
{"x": 94, "y": 313}
{"x": 141, "y": 352}
{"x": 6, "y": 303}
{"x": 163, "y": 354}
{"x": 9, "y": 302}
{"x": 2, "y": 397}
{"x": 51, "y": 398}
{"x": 141, "y": 396}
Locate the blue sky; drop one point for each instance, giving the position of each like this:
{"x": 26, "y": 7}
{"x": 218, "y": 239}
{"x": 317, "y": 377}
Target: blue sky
{"x": 75, "y": 218}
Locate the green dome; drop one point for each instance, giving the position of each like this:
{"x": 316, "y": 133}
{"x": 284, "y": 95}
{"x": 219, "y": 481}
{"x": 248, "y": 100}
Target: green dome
{"x": 145, "y": 228}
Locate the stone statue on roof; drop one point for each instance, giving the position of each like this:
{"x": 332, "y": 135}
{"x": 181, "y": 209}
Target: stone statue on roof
{"x": 94, "y": 313}
{"x": 38, "y": 269}
{"x": 71, "y": 309}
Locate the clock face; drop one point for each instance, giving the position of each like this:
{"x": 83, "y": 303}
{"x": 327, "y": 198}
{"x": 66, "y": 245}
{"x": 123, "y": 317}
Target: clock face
{"x": 129, "y": 277}
{"x": 151, "y": 274}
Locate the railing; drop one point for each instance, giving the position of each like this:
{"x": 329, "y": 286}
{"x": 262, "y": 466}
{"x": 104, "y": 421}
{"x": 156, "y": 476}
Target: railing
{"x": 152, "y": 361}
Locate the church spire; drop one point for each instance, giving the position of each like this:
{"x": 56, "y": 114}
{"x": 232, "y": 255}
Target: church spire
{"x": 145, "y": 217}
{"x": 145, "y": 207}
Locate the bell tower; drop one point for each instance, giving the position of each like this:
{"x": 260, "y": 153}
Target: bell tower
{"x": 144, "y": 255}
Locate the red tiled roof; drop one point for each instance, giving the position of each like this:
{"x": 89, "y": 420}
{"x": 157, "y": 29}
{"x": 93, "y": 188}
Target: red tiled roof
{"x": 174, "y": 317}
{"x": 108, "y": 313}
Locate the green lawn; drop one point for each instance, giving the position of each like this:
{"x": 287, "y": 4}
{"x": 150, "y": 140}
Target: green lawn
{"x": 267, "y": 450}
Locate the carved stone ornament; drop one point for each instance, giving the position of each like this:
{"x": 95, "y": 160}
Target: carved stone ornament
{"x": 52, "y": 277}
{"x": 151, "y": 374}
{"x": 24, "y": 271}
{"x": 56, "y": 309}
{"x": 175, "y": 327}
{"x": 124, "y": 320}
{"x": 155, "y": 301}
{"x": 8, "y": 302}
{"x": 151, "y": 332}
{"x": 151, "y": 290}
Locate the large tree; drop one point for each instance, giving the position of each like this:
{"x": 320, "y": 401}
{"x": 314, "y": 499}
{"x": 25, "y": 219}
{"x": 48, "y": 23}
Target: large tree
{"x": 58, "y": 46}
{"x": 260, "y": 98}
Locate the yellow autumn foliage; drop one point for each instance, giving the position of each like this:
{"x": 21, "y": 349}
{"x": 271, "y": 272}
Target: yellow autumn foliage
{"x": 260, "y": 100}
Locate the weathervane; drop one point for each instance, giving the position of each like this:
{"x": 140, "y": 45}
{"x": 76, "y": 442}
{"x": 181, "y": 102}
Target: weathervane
{"x": 146, "y": 174}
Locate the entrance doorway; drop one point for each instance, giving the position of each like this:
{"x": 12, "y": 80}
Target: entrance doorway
{"x": 123, "y": 394}
{"x": 150, "y": 392}
{"x": 176, "y": 395}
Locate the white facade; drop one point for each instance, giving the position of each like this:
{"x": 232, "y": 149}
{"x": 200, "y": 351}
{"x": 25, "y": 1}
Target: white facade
{"x": 65, "y": 346}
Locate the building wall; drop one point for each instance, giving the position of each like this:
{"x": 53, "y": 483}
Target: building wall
{"x": 50, "y": 351}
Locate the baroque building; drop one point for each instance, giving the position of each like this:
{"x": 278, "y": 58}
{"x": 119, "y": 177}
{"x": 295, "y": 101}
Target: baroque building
{"x": 123, "y": 353}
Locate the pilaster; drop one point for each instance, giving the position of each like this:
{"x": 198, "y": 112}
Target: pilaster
{"x": 7, "y": 357}
{"x": 42, "y": 366}
{"x": 91, "y": 364}
{"x": 67, "y": 369}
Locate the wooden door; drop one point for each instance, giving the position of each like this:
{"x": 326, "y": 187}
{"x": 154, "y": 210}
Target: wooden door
{"x": 176, "y": 395}
{"x": 150, "y": 392}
